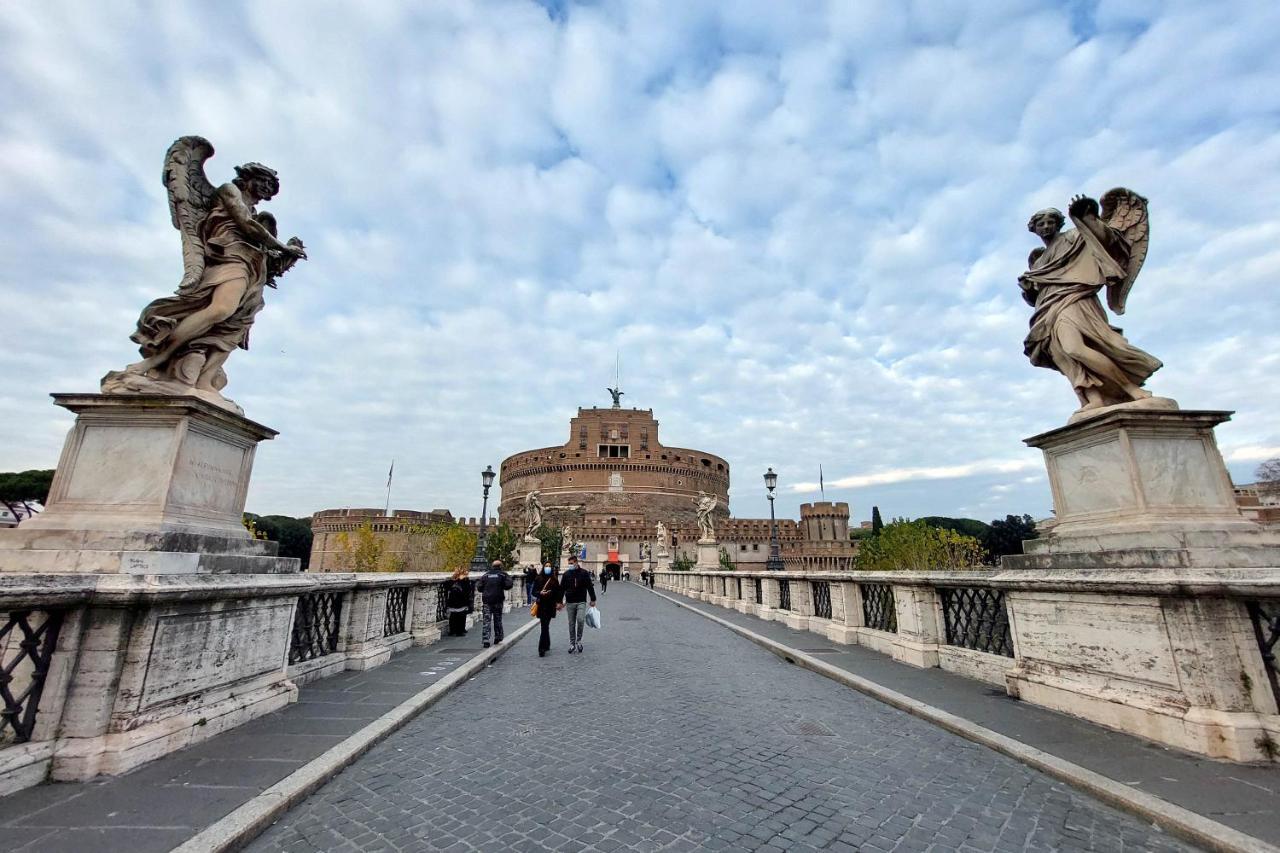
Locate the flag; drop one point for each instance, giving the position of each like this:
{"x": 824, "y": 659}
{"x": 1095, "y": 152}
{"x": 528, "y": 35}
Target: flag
{"x": 821, "y": 488}
{"x": 391, "y": 471}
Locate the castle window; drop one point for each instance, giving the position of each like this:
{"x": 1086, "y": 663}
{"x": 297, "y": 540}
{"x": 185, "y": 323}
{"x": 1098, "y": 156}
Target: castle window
{"x": 755, "y": 546}
{"x": 614, "y": 451}
{"x": 613, "y": 521}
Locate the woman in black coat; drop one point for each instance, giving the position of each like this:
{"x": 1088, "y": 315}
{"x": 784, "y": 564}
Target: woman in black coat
{"x": 459, "y": 601}
{"x": 550, "y": 598}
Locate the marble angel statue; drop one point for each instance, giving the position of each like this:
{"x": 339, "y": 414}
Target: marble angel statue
{"x": 533, "y": 510}
{"x": 1070, "y": 332}
{"x": 706, "y": 525}
{"x": 230, "y": 255}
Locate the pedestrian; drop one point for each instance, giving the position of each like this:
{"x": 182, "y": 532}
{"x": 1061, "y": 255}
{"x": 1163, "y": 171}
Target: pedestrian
{"x": 604, "y": 580}
{"x": 530, "y": 579}
{"x": 493, "y": 595}
{"x": 459, "y": 600}
{"x": 548, "y": 603}
{"x": 577, "y": 587}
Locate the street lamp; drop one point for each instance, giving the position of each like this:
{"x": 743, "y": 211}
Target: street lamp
{"x": 478, "y": 562}
{"x": 774, "y": 563}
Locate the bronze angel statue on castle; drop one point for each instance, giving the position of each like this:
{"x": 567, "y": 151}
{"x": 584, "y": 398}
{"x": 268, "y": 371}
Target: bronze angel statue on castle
{"x": 230, "y": 254}
{"x": 1069, "y": 330}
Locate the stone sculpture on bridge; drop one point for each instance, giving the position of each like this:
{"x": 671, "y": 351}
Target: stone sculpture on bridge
{"x": 533, "y": 510}
{"x": 1069, "y": 329}
{"x": 230, "y": 254}
{"x": 706, "y": 524}
{"x": 664, "y": 540}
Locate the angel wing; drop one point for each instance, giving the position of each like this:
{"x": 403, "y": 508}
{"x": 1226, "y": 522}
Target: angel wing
{"x": 1126, "y": 212}
{"x": 190, "y": 197}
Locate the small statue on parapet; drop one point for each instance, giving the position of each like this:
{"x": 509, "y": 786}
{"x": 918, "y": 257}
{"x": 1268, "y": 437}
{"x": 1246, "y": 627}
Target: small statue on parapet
{"x": 1069, "y": 329}
{"x": 230, "y": 254}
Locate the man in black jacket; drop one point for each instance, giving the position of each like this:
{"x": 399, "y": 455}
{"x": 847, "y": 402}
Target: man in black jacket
{"x": 493, "y": 593}
{"x": 577, "y": 586}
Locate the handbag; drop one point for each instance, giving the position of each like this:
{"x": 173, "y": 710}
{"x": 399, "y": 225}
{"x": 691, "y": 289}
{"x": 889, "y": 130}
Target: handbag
{"x": 533, "y": 608}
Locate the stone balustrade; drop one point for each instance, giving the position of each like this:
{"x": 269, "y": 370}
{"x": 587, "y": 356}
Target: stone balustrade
{"x": 100, "y": 673}
{"x": 1184, "y": 657}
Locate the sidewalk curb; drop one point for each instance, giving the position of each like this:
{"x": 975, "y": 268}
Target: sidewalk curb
{"x": 1174, "y": 819}
{"x": 236, "y": 829}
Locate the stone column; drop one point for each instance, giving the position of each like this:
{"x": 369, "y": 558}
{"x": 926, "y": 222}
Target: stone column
{"x": 422, "y": 623}
{"x": 846, "y": 612}
{"x": 768, "y": 607}
{"x": 919, "y": 625}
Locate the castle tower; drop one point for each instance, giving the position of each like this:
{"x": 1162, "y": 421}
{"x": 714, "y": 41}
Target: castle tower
{"x": 825, "y": 521}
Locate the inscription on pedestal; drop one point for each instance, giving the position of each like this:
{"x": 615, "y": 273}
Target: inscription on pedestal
{"x": 196, "y": 652}
{"x": 208, "y": 474}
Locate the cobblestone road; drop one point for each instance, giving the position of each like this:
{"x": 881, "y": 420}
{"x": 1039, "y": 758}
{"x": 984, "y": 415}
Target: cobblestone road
{"x": 671, "y": 733}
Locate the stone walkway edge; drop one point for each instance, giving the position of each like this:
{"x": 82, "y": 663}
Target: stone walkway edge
{"x": 249, "y": 820}
{"x": 1172, "y": 818}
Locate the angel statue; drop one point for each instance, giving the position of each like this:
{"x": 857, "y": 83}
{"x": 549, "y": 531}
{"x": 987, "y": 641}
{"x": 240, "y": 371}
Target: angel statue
{"x": 664, "y": 539}
{"x": 1069, "y": 330}
{"x": 533, "y": 515}
{"x": 616, "y": 394}
{"x": 230, "y": 254}
{"x": 706, "y": 526}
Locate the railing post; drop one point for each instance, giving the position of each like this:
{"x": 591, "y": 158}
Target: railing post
{"x": 919, "y": 625}
{"x": 772, "y": 592}
{"x": 423, "y": 624}
{"x": 846, "y": 612}
{"x": 365, "y": 648}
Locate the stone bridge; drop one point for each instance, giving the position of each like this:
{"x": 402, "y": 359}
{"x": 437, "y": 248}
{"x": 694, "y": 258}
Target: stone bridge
{"x": 721, "y": 711}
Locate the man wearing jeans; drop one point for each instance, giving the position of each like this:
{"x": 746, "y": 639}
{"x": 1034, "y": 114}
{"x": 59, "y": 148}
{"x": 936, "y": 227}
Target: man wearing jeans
{"x": 577, "y": 587}
{"x": 493, "y": 593}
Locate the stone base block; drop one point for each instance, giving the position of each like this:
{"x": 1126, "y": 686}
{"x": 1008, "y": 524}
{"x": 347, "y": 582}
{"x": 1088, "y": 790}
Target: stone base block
{"x": 980, "y": 666}
{"x": 747, "y": 607}
{"x": 24, "y": 765}
{"x": 1234, "y": 736}
{"x": 1143, "y": 488}
{"x": 529, "y": 554}
{"x": 147, "y": 485}
{"x": 915, "y": 653}
{"x": 844, "y": 634}
{"x": 79, "y": 759}
{"x": 708, "y": 556}
{"x": 792, "y": 620}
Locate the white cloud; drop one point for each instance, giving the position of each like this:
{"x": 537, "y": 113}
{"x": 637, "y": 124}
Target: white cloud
{"x": 802, "y": 231}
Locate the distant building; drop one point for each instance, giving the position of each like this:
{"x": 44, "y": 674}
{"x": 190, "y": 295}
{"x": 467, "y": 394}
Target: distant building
{"x": 1259, "y": 502}
{"x": 612, "y": 482}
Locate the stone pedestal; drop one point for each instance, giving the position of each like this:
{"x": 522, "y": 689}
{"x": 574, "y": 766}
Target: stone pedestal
{"x": 147, "y": 485}
{"x": 529, "y": 553}
{"x": 1143, "y": 488}
{"x": 1129, "y": 612}
{"x": 708, "y": 555}
{"x": 662, "y": 561}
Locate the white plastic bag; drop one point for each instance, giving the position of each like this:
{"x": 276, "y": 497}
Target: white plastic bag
{"x": 593, "y": 617}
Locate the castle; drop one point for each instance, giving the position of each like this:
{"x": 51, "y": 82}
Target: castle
{"x": 612, "y": 482}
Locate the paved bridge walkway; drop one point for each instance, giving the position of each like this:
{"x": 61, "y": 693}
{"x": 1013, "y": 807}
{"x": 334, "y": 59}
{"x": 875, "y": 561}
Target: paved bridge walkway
{"x": 672, "y": 733}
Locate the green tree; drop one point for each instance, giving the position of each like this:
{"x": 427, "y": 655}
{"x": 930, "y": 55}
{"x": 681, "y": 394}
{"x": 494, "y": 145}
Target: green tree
{"x": 963, "y": 526}
{"x": 682, "y": 563}
{"x": 726, "y": 562}
{"x": 363, "y": 551}
{"x": 552, "y": 539}
{"x": 500, "y": 544}
{"x": 453, "y": 546}
{"x": 293, "y": 534}
{"x": 917, "y": 545}
{"x": 877, "y": 524}
{"x": 20, "y": 489}
{"x": 1006, "y": 537}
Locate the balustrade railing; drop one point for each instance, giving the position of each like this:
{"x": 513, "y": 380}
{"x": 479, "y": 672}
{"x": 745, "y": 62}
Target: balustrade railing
{"x": 822, "y": 599}
{"x": 759, "y": 591}
{"x": 879, "y": 610}
{"x": 1265, "y": 616}
{"x": 784, "y": 594}
{"x": 24, "y": 667}
{"x": 397, "y": 608}
{"x": 738, "y": 581}
{"x": 975, "y": 618}
{"x": 317, "y": 624}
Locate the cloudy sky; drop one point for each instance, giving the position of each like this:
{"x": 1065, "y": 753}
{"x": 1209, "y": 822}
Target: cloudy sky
{"x": 799, "y": 223}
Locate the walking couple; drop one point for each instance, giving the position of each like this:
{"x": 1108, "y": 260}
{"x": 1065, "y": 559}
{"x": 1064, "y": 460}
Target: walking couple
{"x": 564, "y": 592}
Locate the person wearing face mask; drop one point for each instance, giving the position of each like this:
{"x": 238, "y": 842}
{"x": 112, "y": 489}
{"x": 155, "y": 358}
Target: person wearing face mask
{"x": 550, "y": 601}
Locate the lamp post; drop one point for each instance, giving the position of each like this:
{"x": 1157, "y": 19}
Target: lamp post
{"x": 478, "y": 562}
{"x": 774, "y": 563}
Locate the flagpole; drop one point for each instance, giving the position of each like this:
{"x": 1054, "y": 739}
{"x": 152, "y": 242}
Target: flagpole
{"x": 387, "y": 510}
